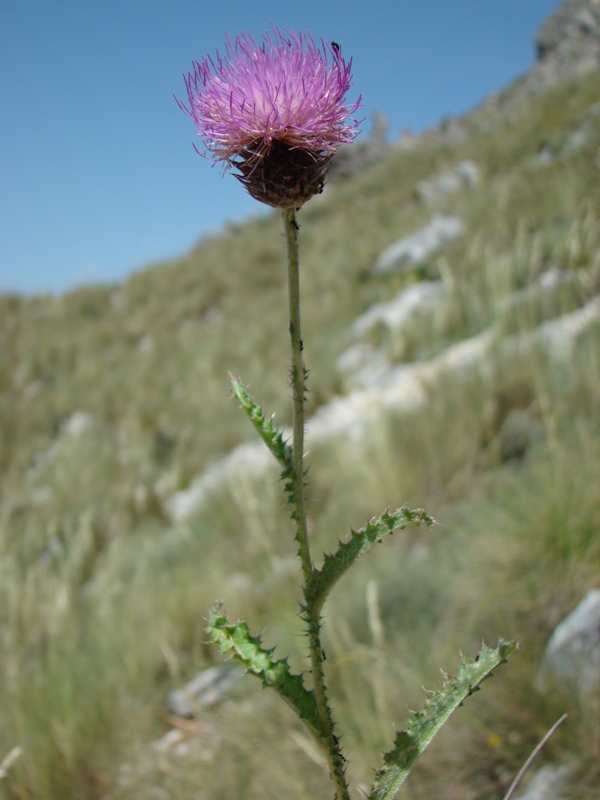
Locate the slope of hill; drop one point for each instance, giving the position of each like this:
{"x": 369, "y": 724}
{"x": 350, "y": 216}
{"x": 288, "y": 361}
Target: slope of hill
{"x": 115, "y": 405}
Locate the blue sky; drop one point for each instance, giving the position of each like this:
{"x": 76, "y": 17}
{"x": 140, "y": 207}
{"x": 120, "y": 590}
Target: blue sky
{"x": 98, "y": 176}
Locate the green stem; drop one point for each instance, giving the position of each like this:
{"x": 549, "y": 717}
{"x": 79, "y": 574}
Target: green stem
{"x": 311, "y": 615}
{"x": 298, "y": 378}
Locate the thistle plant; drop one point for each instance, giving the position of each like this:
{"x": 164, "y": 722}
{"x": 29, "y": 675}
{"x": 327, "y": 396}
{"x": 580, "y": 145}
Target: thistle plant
{"x": 275, "y": 113}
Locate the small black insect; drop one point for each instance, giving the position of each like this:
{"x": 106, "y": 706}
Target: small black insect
{"x": 336, "y": 47}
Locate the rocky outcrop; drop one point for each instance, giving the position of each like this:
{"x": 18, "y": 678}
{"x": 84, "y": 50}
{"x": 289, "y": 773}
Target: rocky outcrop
{"x": 567, "y": 47}
{"x": 568, "y": 43}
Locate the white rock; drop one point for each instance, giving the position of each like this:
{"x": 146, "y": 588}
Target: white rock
{"x": 469, "y": 172}
{"x": 438, "y": 187}
{"x": 250, "y": 458}
{"x": 418, "y": 297}
{"x": 384, "y": 332}
{"x": 572, "y": 654}
{"x": 420, "y": 245}
{"x": 579, "y": 138}
{"x": 76, "y": 424}
{"x": 543, "y": 158}
{"x": 146, "y": 343}
{"x": 362, "y": 366}
{"x": 560, "y": 335}
{"x": 547, "y": 784}
{"x": 207, "y": 689}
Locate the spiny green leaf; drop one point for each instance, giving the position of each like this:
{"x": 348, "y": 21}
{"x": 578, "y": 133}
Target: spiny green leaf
{"x": 272, "y": 437}
{"x": 423, "y": 725}
{"x": 336, "y": 564}
{"x": 235, "y": 639}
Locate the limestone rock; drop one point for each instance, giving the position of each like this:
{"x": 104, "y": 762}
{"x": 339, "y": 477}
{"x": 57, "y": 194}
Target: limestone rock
{"x": 436, "y": 189}
{"x": 248, "y": 458}
{"x": 417, "y": 299}
{"x": 588, "y": 130}
{"x": 419, "y": 246}
{"x": 362, "y": 366}
{"x": 76, "y": 424}
{"x": 572, "y": 656}
{"x": 568, "y": 43}
{"x": 384, "y": 335}
{"x": 207, "y": 689}
{"x": 548, "y": 783}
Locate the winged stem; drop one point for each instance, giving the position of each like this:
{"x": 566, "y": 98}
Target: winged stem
{"x": 311, "y": 614}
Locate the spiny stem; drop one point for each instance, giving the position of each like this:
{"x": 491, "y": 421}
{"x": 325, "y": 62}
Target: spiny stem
{"x": 298, "y": 376}
{"x": 312, "y": 616}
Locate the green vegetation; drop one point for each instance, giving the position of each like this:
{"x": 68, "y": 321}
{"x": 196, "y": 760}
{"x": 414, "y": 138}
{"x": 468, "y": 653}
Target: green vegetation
{"x": 103, "y": 597}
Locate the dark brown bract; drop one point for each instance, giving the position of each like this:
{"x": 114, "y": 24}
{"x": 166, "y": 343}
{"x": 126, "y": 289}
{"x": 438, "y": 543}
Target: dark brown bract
{"x": 282, "y": 176}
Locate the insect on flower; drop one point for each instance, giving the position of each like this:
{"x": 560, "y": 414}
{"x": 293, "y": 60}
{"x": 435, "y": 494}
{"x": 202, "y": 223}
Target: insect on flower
{"x": 275, "y": 112}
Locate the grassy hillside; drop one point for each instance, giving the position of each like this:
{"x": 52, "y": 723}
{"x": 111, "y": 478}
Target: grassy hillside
{"x": 114, "y": 398}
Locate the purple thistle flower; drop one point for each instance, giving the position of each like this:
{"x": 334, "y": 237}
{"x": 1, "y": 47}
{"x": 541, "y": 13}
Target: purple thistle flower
{"x": 273, "y": 111}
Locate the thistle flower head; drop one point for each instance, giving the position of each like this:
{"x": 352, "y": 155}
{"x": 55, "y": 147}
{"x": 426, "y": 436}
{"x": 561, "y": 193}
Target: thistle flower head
{"x": 275, "y": 111}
